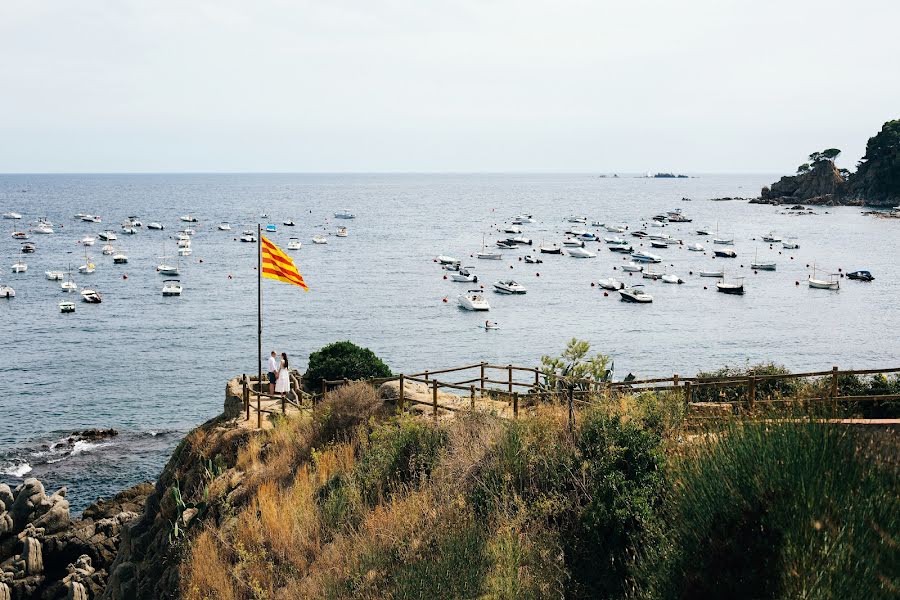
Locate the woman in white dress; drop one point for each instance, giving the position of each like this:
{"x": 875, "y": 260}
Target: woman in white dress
{"x": 283, "y": 383}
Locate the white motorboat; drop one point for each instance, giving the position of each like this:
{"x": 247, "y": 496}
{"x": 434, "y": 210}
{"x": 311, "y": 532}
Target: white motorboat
{"x": 532, "y": 260}
{"x": 573, "y": 243}
{"x": 19, "y": 235}
{"x": 155, "y": 225}
{"x": 28, "y": 248}
{"x": 66, "y": 306}
{"x": 656, "y": 224}
{"x": 512, "y": 229}
{"x": 107, "y": 249}
{"x": 509, "y": 286}
{"x": 344, "y": 214}
{"x": 447, "y": 260}
{"x": 611, "y": 284}
{"x": 107, "y": 236}
{"x": 646, "y": 257}
{"x": 580, "y": 253}
{"x": 248, "y": 237}
{"x": 54, "y": 275}
{"x": 615, "y": 228}
{"x": 224, "y": 227}
{"x": 464, "y": 274}
{"x": 718, "y": 274}
{"x": 91, "y": 218}
{"x": 188, "y": 218}
{"x": 7, "y": 291}
{"x": 473, "y": 300}
{"x": 91, "y": 296}
{"x": 588, "y": 236}
{"x": 615, "y": 241}
{"x": 129, "y": 230}
{"x": 771, "y": 237}
{"x": 790, "y": 244}
{"x": 171, "y": 287}
{"x": 831, "y": 283}
{"x": 184, "y": 243}
{"x": 319, "y": 239}
{"x": 659, "y": 244}
{"x": 294, "y": 244}
{"x": 520, "y": 239}
{"x": 668, "y": 278}
{"x": 133, "y": 221}
{"x": 88, "y": 240}
{"x": 576, "y": 219}
{"x": 703, "y": 232}
{"x": 550, "y": 249}
{"x": 652, "y": 275}
{"x": 576, "y": 231}
{"x": 620, "y": 248}
{"x": 341, "y": 232}
{"x": 42, "y": 228}
{"x": 523, "y": 219}
{"x": 19, "y": 267}
{"x": 271, "y": 228}
{"x": 696, "y": 247}
{"x": 725, "y": 253}
{"x": 597, "y": 224}
{"x": 506, "y": 245}
{"x": 632, "y": 267}
{"x": 635, "y": 294}
{"x": 12, "y": 215}
{"x": 120, "y": 258}
{"x": 185, "y": 251}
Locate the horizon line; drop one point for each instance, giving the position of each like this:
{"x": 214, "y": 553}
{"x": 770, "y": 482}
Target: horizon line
{"x": 609, "y": 174}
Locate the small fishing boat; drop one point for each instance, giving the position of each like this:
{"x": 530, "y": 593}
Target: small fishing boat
{"x": 763, "y": 266}
{"x": 659, "y": 244}
{"x": 270, "y": 228}
{"x": 573, "y": 243}
{"x": 790, "y": 244}
{"x": 91, "y": 218}
{"x": 188, "y": 218}
{"x": 88, "y": 240}
{"x": 54, "y": 275}
{"x": 632, "y": 267}
{"x": 294, "y": 244}
{"x": 831, "y": 283}
{"x": 28, "y": 248}
{"x": 509, "y": 286}
{"x": 447, "y": 260}
{"x": 615, "y": 241}
{"x": 696, "y": 247}
{"x": 860, "y": 276}
{"x": 66, "y": 306}
{"x": 171, "y": 287}
{"x": 506, "y": 245}
{"x": 68, "y": 285}
{"x": 651, "y": 275}
{"x": 224, "y": 227}
{"x": 42, "y": 228}
{"x": 611, "y": 284}
{"x": 639, "y": 233}
{"x": 91, "y": 296}
{"x": 533, "y": 260}
{"x": 580, "y": 253}
{"x": 155, "y": 225}
{"x": 464, "y": 274}
{"x": 550, "y": 249}
{"x": 107, "y": 236}
{"x": 129, "y": 230}
{"x": 19, "y": 267}
{"x": 576, "y": 219}
{"x": 248, "y": 237}
{"x": 12, "y": 215}
{"x": 319, "y": 239}
{"x": 134, "y": 221}
{"x": 523, "y": 219}
{"x": 621, "y": 249}
{"x": 718, "y": 274}
{"x": 485, "y": 255}
{"x": 344, "y": 214}
{"x": 520, "y": 239}
{"x": 724, "y": 241}
{"x": 771, "y": 237}
{"x": 7, "y": 291}
{"x": 19, "y": 235}
{"x": 671, "y": 279}
{"x": 736, "y": 289}
{"x": 615, "y": 228}
{"x": 635, "y": 294}
{"x": 107, "y": 249}
{"x": 120, "y": 258}
{"x": 288, "y": 223}
{"x": 703, "y": 232}
{"x": 646, "y": 257}
{"x": 341, "y": 232}
{"x": 512, "y": 229}
{"x": 725, "y": 253}
{"x": 576, "y": 231}
{"x": 473, "y": 300}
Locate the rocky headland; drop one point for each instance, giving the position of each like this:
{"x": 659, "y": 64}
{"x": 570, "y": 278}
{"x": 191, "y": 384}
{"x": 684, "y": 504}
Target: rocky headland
{"x": 876, "y": 181}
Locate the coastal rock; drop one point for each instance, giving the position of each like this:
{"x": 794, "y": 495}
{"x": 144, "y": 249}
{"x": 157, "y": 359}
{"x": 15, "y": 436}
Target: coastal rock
{"x": 6, "y": 496}
{"x": 822, "y": 184}
{"x": 32, "y": 556}
{"x": 5, "y": 592}
{"x": 92, "y": 435}
{"x": 76, "y": 591}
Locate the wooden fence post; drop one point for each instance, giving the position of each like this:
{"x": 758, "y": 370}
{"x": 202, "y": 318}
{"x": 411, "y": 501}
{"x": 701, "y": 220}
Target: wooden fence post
{"x": 246, "y": 396}
{"x": 402, "y": 392}
{"x": 434, "y": 392}
{"x": 571, "y": 410}
{"x": 751, "y": 384}
{"x": 259, "y": 407}
{"x": 509, "y": 378}
{"x": 687, "y": 393}
{"x": 426, "y": 375}
{"x": 834, "y": 382}
{"x": 482, "y": 378}
{"x": 472, "y": 397}
{"x": 675, "y": 380}
{"x": 515, "y": 405}
{"x": 537, "y": 378}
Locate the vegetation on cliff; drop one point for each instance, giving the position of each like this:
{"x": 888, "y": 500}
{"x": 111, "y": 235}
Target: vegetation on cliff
{"x": 343, "y": 360}
{"x": 877, "y": 177}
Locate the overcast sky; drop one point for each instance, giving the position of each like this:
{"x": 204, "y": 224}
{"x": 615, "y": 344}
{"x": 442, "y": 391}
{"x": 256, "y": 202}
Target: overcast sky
{"x": 466, "y": 85}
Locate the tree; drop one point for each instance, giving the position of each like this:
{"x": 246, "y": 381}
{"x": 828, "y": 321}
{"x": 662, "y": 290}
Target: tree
{"x": 573, "y": 368}
{"x": 831, "y": 154}
{"x": 343, "y": 360}
{"x": 804, "y": 168}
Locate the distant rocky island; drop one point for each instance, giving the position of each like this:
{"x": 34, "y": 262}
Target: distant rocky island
{"x": 876, "y": 181}
{"x": 670, "y": 176}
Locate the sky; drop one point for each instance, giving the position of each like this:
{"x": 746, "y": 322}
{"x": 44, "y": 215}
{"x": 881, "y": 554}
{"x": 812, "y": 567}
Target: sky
{"x": 697, "y": 86}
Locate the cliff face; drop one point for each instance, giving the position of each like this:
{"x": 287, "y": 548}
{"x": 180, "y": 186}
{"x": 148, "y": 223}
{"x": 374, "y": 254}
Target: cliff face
{"x": 877, "y": 179}
{"x": 823, "y": 184}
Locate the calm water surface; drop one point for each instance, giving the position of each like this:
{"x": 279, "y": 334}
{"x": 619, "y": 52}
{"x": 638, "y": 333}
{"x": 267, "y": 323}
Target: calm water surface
{"x": 154, "y": 367}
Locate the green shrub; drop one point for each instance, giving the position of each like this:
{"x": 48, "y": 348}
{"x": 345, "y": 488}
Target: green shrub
{"x": 777, "y": 510}
{"x": 876, "y": 385}
{"x": 343, "y": 360}
{"x": 771, "y": 388}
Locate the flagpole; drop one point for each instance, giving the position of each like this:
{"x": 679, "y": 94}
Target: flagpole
{"x": 259, "y": 300}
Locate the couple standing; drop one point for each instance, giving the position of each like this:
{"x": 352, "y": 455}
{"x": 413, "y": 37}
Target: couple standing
{"x": 279, "y": 380}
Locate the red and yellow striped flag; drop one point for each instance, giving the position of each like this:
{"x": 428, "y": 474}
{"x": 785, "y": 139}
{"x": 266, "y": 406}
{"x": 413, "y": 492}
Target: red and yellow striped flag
{"x": 278, "y": 265}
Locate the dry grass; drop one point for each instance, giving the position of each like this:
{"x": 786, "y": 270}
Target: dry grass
{"x": 209, "y": 575}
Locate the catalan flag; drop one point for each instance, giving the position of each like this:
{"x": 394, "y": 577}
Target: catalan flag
{"x": 278, "y": 265}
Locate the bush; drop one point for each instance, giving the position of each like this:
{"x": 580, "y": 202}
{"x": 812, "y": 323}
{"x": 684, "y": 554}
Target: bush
{"x": 777, "y": 510}
{"x": 771, "y": 388}
{"x": 343, "y": 410}
{"x": 343, "y": 360}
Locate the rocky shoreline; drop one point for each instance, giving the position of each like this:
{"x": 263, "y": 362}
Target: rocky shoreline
{"x": 45, "y": 554}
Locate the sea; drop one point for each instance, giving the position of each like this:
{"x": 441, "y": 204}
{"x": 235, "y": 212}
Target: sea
{"x": 154, "y": 367}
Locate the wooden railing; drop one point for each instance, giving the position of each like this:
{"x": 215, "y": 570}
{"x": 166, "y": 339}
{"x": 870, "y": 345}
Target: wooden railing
{"x": 524, "y": 386}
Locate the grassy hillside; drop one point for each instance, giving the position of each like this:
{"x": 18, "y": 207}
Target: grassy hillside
{"x": 360, "y": 503}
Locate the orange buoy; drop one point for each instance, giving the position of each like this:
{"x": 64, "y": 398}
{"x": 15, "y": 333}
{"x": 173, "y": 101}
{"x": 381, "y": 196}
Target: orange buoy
{"x": 125, "y": 276}
{"x": 444, "y": 299}
{"x": 445, "y": 277}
